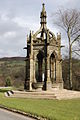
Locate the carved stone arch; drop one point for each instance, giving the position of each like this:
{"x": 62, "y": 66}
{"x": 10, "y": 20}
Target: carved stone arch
{"x": 41, "y": 53}
{"x": 37, "y": 33}
{"x": 53, "y": 36}
{"x": 39, "y": 65}
{"x": 53, "y": 57}
{"x": 55, "y": 54}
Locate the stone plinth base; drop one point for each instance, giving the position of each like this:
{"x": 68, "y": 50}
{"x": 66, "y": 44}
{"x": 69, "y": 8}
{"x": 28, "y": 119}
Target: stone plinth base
{"x": 28, "y": 85}
{"x": 53, "y": 94}
{"x": 57, "y": 85}
{"x": 39, "y": 86}
{"x": 49, "y": 85}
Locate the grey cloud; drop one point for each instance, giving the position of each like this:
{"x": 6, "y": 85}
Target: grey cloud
{"x": 18, "y": 16}
{"x": 12, "y": 38}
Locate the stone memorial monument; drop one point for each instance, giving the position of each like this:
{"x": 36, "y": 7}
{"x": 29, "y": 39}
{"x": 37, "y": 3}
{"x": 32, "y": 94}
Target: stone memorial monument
{"x": 43, "y": 60}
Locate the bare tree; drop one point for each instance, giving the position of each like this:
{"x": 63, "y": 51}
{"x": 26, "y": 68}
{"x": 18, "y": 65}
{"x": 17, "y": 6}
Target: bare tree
{"x": 69, "y": 21}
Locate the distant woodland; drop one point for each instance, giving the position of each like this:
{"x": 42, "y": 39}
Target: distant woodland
{"x": 12, "y": 72}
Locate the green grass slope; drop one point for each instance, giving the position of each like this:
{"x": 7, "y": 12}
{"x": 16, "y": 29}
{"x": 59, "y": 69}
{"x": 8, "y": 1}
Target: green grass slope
{"x": 51, "y": 109}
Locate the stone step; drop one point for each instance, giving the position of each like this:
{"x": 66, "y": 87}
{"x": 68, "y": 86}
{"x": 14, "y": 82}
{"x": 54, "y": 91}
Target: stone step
{"x": 35, "y": 96}
{"x": 34, "y": 93}
{"x": 67, "y": 94}
{"x": 55, "y": 94}
{"x": 40, "y": 95}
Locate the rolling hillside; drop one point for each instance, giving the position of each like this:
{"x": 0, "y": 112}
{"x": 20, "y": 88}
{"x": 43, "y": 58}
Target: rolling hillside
{"x": 14, "y": 69}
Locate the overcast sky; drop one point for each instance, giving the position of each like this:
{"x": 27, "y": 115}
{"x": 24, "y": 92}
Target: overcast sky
{"x": 18, "y": 17}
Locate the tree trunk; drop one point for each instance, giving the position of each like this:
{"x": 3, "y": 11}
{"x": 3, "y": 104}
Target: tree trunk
{"x": 70, "y": 67}
{"x": 70, "y": 59}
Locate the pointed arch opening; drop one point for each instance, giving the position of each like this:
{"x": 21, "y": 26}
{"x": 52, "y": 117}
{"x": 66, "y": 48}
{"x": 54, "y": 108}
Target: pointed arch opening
{"x": 53, "y": 67}
{"x": 40, "y": 67}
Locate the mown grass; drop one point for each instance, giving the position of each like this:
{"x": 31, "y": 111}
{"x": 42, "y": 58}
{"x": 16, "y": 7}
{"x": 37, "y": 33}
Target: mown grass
{"x": 2, "y": 90}
{"x": 51, "y": 109}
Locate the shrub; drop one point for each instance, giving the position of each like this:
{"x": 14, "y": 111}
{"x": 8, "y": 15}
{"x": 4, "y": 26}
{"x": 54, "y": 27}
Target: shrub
{"x": 8, "y": 81}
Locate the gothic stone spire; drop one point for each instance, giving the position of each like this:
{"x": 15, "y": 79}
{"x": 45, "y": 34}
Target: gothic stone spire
{"x": 43, "y": 16}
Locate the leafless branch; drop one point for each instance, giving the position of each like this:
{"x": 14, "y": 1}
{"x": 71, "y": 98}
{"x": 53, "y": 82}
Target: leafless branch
{"x": 78, "y": 37}
{"x": 76, "y": 53}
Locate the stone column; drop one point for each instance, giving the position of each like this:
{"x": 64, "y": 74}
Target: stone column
{"x": 31, "y": 73}
{"x": 59, "y": 80}
{"x": 49, "y": 84}
{"x": 55, "y": 71}
{"x": 34, "y": 68}
{"x": 31, "y": 62}
{"x": 27, "y": 74}
{"x": 48, "y": 69}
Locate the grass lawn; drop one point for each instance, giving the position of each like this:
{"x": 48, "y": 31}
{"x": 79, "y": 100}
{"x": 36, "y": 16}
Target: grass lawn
{"x": 51, "y": 109}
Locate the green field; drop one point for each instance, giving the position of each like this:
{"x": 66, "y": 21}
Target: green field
{"x": 51, "y": 109}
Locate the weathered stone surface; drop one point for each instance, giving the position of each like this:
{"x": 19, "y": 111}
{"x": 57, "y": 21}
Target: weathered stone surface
{"x": 44, "y": 62}
{"x": 50, "y": 94}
